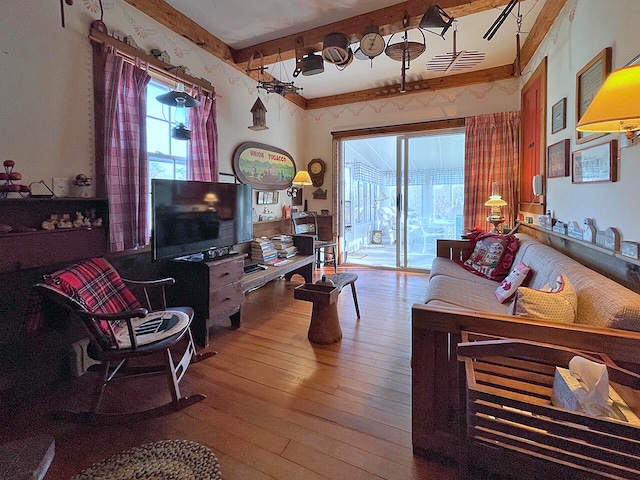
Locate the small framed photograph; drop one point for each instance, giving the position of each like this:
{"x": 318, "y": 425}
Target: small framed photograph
{"x": 595, "y": 164}
{"x": 559, "y": 116}
{"x": 297, "y": 198}
{"x": 558, "y": 159}
{"x": 276, "y": 196}
{"x": 268, "y": 197}
{"x": 588, "y": 82}
{"x": 261, "y": 198}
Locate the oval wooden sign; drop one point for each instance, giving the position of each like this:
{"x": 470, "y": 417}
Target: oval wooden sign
{"x": 263, "y": 166}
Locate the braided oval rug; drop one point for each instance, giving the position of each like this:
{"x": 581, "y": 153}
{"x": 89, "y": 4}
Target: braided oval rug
{"x": 162, "y": 460}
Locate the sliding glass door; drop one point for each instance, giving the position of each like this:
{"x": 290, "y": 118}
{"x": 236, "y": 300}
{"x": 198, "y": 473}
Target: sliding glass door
{"x": 399, "y": 194}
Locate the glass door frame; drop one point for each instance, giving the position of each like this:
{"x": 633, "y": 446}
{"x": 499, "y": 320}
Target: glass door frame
{"x": 406, "y": 131}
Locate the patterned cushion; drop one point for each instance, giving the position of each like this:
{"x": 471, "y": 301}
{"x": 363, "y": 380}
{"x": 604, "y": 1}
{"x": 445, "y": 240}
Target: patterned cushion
{"x": 153, "y": 327}
{"x": 95, "y": 286}
{"x": 557, "y": 303}
{"x": 492, "y": 255}
{"x": 510, "y": 284}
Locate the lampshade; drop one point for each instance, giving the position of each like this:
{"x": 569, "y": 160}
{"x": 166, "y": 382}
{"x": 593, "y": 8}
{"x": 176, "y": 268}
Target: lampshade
{"x": 616, "y": 107}
{"x": 171, "y": 98}
{"x": 382, "y": 197}
{"x": 301, "y": 179}
{"x": 495, "y": 201}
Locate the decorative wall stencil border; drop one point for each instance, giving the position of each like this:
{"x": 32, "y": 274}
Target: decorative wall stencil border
{"x": 91, "y": 152}
{"x": 140, "y": 31}
{"x": 552, "y": 38}
{"x": 423, "y": 100}
{"x": 94, "y": 6}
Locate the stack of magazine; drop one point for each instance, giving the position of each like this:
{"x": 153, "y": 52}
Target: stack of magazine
{"x": 284, "y": 246}
{"x": 262, "y": 250}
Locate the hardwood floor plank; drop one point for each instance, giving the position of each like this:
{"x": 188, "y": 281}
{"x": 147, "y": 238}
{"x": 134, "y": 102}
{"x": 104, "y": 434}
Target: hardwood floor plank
{"x": 277, "y": 406}
{"x": 301, "y": 427}
{"x": 325, "y": 464}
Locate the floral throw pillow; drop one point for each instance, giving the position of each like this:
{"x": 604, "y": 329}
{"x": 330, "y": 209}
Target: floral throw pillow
{"x": 492, "y": 255}
{"x": 510, "y": 284}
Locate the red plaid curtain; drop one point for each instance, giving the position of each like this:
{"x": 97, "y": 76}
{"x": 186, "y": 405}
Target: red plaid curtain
{"x": 202, "y": 156}
{"x": 491, "y": 155}
{"x": 126, "y": 165}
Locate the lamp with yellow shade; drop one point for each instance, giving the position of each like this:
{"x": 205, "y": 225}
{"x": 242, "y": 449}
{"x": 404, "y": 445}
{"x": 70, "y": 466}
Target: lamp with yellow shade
{"x": 616, "y": 106}
{"x": 301, "y": 179}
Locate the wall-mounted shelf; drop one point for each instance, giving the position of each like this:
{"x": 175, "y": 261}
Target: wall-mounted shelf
{"x": 37, "y": 248}
{"x": 593, "y": 246}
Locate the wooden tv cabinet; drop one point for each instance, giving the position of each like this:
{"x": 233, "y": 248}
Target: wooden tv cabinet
{"x": 215, "y": 289}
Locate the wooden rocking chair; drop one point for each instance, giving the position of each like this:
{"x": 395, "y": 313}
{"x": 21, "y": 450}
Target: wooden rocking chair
{"x": 121, "y": 329}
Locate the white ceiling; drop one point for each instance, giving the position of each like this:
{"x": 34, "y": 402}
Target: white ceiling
{"x": 242, "y": 23}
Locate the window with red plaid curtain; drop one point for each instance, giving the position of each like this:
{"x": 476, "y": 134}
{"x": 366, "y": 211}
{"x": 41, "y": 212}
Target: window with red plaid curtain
{"x": 491, "y": 155}
{"x": 126, "y": 166}
{"x": 122, "y": 166}
{"x": 202, "y": 155}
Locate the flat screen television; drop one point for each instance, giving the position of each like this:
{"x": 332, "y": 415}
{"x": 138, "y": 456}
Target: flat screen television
{"x": 190, "y": 217}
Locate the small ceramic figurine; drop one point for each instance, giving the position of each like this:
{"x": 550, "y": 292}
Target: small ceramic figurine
{"x": 79, "y": 221}
{"x": 65, "y": 222}
{"x": 50, "y": 223}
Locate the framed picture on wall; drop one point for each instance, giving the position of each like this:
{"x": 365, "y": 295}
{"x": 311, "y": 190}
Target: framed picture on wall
{"x": 588, "y": 82}
{"x": 595, "y": 164}
{"x": 297, "y": 199}
{"x": 559, "y": 116}
{"x": 558, "y": 159}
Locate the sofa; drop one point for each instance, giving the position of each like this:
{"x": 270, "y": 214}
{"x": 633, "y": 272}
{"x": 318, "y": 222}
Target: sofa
{"x": 459, "y": 301}
{"x": 601, "y": 301}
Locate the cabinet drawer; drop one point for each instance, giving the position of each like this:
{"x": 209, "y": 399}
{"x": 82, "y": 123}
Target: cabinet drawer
{"x": 225, "y": 273}
{"x": 225, "y": 300}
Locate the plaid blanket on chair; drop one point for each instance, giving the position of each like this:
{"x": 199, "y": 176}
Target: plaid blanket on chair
{"x": 95, "y": 286}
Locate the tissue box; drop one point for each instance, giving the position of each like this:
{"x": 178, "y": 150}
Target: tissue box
{"x": 569, "y": 394}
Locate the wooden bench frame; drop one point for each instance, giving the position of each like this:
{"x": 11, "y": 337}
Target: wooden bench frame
{"x": 438, "y": 379}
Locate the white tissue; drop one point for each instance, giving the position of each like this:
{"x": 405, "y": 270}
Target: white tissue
{"x": 594, "y": 380}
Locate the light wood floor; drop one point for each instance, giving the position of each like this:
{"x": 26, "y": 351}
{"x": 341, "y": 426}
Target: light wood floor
{"x": 278, "y": 406}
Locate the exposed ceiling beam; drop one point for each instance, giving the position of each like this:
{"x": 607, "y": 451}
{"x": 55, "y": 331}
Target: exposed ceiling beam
{"x": 469, "y": 78}
{"x": 171, "y": 18}
{"x": 389, "y": 20}
{"x": 168, "y": 16}
{"x": 548, "y": 14}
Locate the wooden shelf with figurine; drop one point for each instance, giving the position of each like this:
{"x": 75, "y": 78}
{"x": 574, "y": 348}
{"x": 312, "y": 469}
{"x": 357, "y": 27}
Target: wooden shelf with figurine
{"x": 28, "y": 245}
